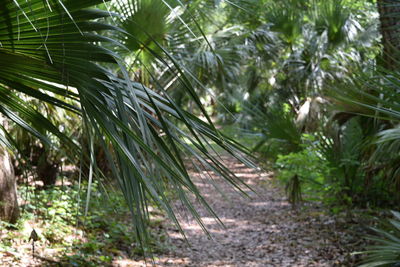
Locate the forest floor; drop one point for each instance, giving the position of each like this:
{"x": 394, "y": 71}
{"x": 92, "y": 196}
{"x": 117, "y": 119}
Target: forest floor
{"x": 262, "y": 230}
{"x": 259, "y": 230}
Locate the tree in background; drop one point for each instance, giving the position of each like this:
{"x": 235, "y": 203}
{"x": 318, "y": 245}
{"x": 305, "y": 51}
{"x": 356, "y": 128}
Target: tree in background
{"x": 390, "y": 31}
{"x": 9, "y": 209}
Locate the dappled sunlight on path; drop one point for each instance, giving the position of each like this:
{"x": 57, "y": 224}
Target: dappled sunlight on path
{"x": 259, "y": 230}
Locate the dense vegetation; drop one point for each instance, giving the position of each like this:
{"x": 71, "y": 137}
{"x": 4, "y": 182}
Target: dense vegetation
{"x": 110, "y": 103}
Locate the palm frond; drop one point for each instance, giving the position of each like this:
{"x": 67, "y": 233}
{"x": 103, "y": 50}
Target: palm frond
{"x": 47, "y": 48}
{"x": 386, "y": 252}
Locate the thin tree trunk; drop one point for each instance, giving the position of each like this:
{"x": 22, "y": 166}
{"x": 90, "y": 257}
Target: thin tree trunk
{"x": 389, "y": 14}
{"x": 9, "y": 209}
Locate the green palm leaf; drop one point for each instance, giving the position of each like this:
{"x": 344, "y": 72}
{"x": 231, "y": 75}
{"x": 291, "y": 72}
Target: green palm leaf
{"x": 51, "y": 51}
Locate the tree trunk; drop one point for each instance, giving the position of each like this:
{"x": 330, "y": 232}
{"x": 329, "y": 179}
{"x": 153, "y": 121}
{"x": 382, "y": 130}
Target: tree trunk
{"x": 9, "y": 210}
{"x": 389, "y": 14}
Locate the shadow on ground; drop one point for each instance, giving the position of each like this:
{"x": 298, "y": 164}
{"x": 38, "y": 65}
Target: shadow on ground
{"x": 259, "y": 230}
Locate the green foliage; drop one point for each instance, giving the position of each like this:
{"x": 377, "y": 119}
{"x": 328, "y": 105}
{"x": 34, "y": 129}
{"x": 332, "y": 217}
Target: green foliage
{"x": 342, "y": 148}
{"x": 96, "y": 239}
{"x": 280, "y": 134}
{"x": 334, "y": 19}
{"x": 386, "y": 251}
{"x": 312, "y": 171}
{"x": 67, "y": 54}
{"x": 286, "y": 20}
{"x": 333, "y": 167}
{"x": 259, "y": 62}
{"x": 378, "y": 149}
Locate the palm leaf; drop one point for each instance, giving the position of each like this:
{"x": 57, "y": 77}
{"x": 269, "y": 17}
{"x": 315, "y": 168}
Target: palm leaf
{"x": 53, "y": 47}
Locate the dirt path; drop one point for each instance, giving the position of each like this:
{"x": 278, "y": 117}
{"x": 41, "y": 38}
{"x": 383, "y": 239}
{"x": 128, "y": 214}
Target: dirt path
{"x": 261, "y": 231}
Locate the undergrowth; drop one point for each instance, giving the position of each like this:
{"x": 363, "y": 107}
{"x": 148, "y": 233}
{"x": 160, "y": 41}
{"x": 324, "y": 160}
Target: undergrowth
{"x": 65, "y": 235}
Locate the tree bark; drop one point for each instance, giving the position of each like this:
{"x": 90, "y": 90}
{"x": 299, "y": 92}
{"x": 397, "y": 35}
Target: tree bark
{"x": 389, "y": 15}
{"x": 9, "y": 210}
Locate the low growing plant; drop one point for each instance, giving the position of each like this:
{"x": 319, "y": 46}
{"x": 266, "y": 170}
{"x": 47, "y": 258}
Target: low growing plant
{"x": 305, "y": 171}
{"x": 386, "y": 251}
{"x": 57, "y": 216}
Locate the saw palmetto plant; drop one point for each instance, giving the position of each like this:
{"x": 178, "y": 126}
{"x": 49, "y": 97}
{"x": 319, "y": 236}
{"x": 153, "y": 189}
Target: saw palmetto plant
{"x": 374, "y": 97}
{"x": 55, "y": 52}
{"x": 386, "y": 251}
{"x": 191, "y": 39}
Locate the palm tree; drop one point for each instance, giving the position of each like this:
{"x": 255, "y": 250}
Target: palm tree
{"x": 54, "y": 51}
{"x": 205, "y": 50}
{"x": 374, "y": 95}
{"x": 390, "y": 30}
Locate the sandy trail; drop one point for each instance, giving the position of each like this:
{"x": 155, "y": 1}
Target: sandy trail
{"x": 260, "y": 231}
